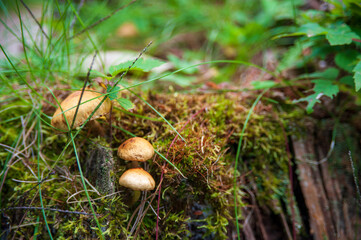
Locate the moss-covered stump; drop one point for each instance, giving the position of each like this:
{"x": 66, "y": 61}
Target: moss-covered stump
{"x": 211, "y": 125}
{"x": 99, "y": 168}
{"x": 198, "y": 205}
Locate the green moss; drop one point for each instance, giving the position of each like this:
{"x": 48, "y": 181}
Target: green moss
{"x": 203, "y": 203}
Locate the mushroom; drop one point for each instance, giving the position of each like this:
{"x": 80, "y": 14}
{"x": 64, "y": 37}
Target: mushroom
{"x": 136, "y": 149}
{"x": 69, "y": 105}
{"x": 137, "y": 179}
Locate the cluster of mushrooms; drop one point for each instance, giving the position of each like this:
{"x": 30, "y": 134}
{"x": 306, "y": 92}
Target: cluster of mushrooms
{"x": 138, "y": 150}
{"x": 134, "y": 149}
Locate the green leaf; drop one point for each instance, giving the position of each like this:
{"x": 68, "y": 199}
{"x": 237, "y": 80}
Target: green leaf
{"x": 140, "y": 65}
{"x": 308, "y": 29}
{"x": 114, "y": 93}
{"x": 290, "y": 58}
{"x": 322, "y": 87}
{"x": 179, "y": 63}
{"x": 95, "y": 73}
{"x": 336, "y": 34}
{"x": 354, "y": 6}
{"x": 329, "y": 73}
{"x": 125, "y": 103}
{"x": 312, "y": 29}
{"x": 263, "y": 84}
{"x": 183, "y": 81}
{"x": 325, "y": 87}
{"x": 311, "y": 99}
{"x": 347, "y": 59}
{"x": 357, "y": 76}
{"x": 348, "y": 80}
{"x": 340, "y": 34}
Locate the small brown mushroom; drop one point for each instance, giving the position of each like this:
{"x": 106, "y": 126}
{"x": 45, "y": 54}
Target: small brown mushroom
{"x": 137, "y": 179}
{"x": 85, "y": 109}
{"x": 136, "y": 149}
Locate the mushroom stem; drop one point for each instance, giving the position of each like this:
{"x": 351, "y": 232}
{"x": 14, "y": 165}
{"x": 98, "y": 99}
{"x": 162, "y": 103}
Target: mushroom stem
{"x": 134, "y": 164}
{"x": 95, "y": 128}
{"x": 135, "y": 197}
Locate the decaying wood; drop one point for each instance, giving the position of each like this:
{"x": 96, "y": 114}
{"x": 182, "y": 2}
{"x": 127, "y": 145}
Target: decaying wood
{"x": 325, "y": 192}
{"x": 339, "y": 187}
{"x": 99, "y": 167}
{"x": 314, "y": 194}
{"x": 324, "y": 189}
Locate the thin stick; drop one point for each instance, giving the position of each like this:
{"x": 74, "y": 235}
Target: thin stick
{"x": 32, "y": 15}
{"x": 74, "y": 19}
{"x": 24, "y": 195}
{"x": 355, "y": 178}
{"x": 101, "y": 20}
{"x": 48, "y": 209}
{"x": 82, "y": 90}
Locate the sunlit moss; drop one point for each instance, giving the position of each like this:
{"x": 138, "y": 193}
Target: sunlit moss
{"x": 202, "y": 204}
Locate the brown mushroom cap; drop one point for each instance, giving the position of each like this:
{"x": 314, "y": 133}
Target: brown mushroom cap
{"x": 136, "y": 149}
{"x": 137, "y": 179}
{"x": 84, "y": 111}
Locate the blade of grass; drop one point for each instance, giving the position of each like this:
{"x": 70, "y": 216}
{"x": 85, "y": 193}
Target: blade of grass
{"x": 22, "y": 78}
{"x": 170, "y": 163}
{"x": 238, "y": 158}
{"x": 23, "y": 40}
{"x": 77, "y": 132}
{"x": 32, "y": 15}
{"x": 30, "y": 37}
{"x": 13, "y": 33}
{"x": 66, "y": 27}
{"x": 8, "y": 157}
{"x": 79, "y": 167}
{"x": 83, "y": 89}
{"x": 182, "y": 69}
{"x": 159, "y": 114}
{"x": 3, "y": 8}
{"x": 102, "y": 19}
{"x": 36, "y": 229}
{"x": 38, "y": 126}
{"x": 83, "y": 25}
{"x": 137, "y": 115}
{"x": 9, "y": 86}
{"x": 50, "y": 49}
{"x": 179, "y": 70}
{"x": 11, "y": 154}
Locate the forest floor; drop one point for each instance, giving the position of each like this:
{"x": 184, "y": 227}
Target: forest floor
{"x": 256, "y": 134}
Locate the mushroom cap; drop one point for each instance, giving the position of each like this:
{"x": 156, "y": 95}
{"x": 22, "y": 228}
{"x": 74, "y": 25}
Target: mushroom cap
{"x": 84, "y": 111}
{"x": 137, "y": 179}
{"x": 136, "y": 149}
